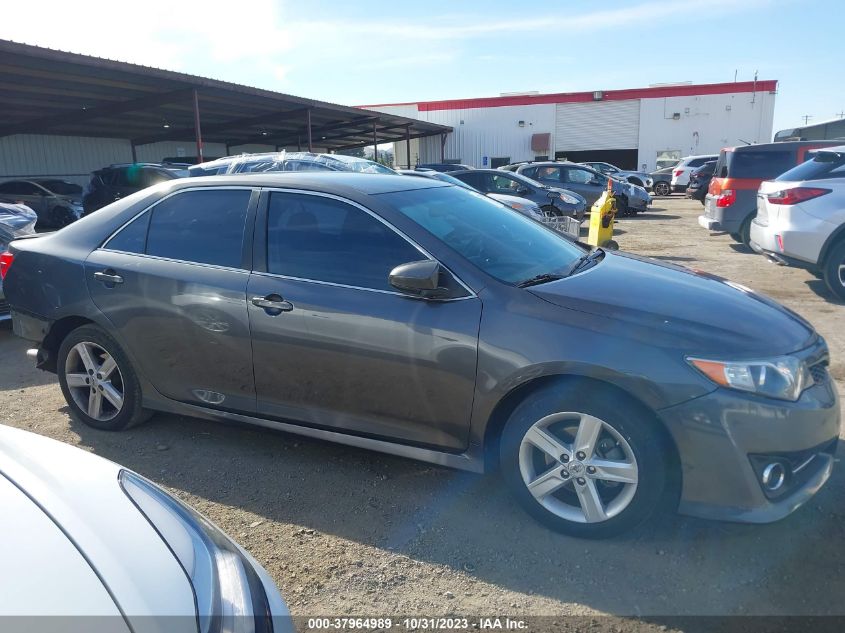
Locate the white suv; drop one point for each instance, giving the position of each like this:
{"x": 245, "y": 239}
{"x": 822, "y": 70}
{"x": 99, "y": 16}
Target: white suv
{"x": 681, "y": 171}
{"x": 801, "y": 218}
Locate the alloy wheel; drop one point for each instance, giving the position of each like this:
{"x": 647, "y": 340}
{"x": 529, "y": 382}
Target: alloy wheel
{"x": 94, "y": 381}
{"x": 578, "y": 467}
{"x": 842, "y": 274}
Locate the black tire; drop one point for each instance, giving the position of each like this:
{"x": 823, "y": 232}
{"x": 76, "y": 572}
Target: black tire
{"x": 131, "y": 413}
{"x": 736, "y": 237}
{"x": 662, "y": 189}
{"x": 622, "y": 209}
{"x": 645, "y": 440}
{"x": 834, "y": 277}
{"x": 745, "y": 231}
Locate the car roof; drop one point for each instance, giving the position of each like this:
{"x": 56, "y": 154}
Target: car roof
{"x": 783, "y": 145}
{"x": 337, "y": 182}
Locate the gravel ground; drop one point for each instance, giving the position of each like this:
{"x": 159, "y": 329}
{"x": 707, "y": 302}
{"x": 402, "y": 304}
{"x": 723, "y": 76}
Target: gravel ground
{"x": 350, "y": 532}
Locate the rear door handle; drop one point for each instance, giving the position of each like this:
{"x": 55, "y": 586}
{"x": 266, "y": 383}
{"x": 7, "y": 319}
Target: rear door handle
{"x": 108, "y": 277}
{"x": 273, "y": 304}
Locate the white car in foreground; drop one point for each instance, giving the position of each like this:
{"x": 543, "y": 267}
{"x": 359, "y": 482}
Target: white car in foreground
{"x": 800, "y": 218}
{"x": 103, "y": 549}
{"x": 681, "y": 172}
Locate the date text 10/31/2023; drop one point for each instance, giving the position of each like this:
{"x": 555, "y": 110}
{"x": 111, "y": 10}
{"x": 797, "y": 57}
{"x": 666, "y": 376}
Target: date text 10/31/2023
{"x": 416, "y": 624}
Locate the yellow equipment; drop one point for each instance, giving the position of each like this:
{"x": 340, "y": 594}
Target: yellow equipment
{"x": 602, "y": 215}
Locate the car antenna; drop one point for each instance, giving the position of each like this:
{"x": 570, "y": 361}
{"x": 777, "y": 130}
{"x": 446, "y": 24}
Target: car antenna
{"x": 746, "y": 142}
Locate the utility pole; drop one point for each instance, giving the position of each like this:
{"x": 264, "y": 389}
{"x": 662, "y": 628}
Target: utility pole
{"x": 841, "y": 115}
{"x": 806, "y": 118}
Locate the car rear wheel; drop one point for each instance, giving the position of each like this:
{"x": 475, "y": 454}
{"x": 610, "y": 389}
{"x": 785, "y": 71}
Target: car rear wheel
{"x": 98, "y": 381}
{"x": 662, "y": 189}
{"x": 584, "y": 462}
{"x": 744, "y": 234}
{"x": 834, "y": 270}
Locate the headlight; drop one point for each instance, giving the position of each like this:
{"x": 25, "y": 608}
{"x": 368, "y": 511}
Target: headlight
{"x": 230, "y": 596}
{"x": 783, "y": 377}
{"x": 568, "y": 199}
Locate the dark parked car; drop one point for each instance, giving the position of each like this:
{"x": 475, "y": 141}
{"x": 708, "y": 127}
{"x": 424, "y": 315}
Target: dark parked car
{"x": 56, "y": 202}
{"x": 699, "y": 181}
{"x": 118, "y": 181}
{"x": 731, "y": 201}
{"x": 444, "y": 166}
{"x": 16, "y": 221}
{"x": 662, "y": 181}
{"x": 552, "y": 200}
{"x": 589, "y": 183}
{"x": 421, "y": 319}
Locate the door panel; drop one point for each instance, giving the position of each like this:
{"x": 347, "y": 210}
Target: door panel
{"x": 365, "y": 361}
{"x": 186, "y": 325}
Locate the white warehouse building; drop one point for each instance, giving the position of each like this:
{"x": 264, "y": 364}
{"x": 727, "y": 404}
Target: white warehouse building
{"x": 643, "y": 128}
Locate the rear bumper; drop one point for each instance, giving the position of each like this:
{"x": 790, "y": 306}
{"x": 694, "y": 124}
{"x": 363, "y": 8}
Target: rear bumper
{"x": 679, "y": 188}
{"x": 726, "y": 219}
{"x": 803, "y": 236}
{"x": 725, "y": 438}
{"x": 30, "y": 327}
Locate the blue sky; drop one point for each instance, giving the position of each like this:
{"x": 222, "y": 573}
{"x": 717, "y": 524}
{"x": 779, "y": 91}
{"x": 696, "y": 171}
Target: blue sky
{"x": 370, "y": 51}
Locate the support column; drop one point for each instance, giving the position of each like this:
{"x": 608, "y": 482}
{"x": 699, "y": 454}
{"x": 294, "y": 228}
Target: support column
{"x": 375, "y": 141}
{"x": 408, "y": 145}
{"x": 134, "y": 154}
{"x": 442, "y": 148}
{"x": 197, "y": 128}
{"x": 308, "y": 125}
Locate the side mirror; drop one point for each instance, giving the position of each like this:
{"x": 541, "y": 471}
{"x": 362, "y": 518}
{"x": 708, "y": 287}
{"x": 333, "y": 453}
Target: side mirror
{"x": 420, "y": 279}
{"x": 522, "y": 191}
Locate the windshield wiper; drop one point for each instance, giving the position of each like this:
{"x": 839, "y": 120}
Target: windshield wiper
{"x": 538, "y": 279}
{"x": 574, "y": 267}
{"x": 582, "y": 261}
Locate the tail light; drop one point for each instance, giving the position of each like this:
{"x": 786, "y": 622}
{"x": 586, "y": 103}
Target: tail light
{"x": 6, "y": 259}
{"x": 796, "y": 195}
{"x": 726, "y": 198}
{"x": 678, "y": 172}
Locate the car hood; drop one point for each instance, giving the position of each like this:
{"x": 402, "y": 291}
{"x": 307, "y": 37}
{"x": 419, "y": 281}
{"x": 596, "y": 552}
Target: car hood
{"x": 672, "y": 306}
{"x": 79, "y": 494}
{"x": 68, "y": 588}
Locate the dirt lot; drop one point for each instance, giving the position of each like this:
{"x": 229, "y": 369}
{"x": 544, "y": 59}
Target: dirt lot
{"x": 346, "y": 531}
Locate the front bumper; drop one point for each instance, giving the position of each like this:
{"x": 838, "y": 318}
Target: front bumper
{"x": 718, "y": 434}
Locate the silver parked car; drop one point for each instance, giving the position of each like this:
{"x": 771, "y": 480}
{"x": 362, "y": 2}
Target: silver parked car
{"x": 639, "y": 178}
{"x": 56, "y": 202}
{"x": 800, "y": 218}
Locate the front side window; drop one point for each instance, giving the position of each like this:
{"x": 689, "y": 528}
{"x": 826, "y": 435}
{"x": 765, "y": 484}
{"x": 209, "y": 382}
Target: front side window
{"x": 582, "y": 177}
{"x": 503, "y": 243}
{"x": 323, "y": 239}
{"x": 504, "y": 184}
{"x": 547, "y": 174}
{"x": 205, "y": 227}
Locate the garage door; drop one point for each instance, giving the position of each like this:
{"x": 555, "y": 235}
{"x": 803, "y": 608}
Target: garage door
{"x": 597, "y": 125}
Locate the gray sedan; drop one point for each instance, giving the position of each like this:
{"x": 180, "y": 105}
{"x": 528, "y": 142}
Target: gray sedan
{"x": 421, "y": 319}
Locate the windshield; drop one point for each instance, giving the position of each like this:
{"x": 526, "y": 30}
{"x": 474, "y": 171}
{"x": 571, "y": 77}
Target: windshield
{"x": 501, "y": 242}
{"x": 61, "y": 187}
{"x": 439, "y": 175}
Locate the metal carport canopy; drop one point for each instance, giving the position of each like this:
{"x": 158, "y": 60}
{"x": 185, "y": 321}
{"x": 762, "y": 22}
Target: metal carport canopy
{"x": 46, "y": 91}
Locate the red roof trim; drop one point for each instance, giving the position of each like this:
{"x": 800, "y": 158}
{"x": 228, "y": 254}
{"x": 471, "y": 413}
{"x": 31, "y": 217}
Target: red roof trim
{"x": 683, "y": 90}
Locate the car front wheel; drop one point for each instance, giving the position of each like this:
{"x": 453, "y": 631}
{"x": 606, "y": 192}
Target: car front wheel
{"x": 98, "y": 381}
{"x": 584, "y": 462}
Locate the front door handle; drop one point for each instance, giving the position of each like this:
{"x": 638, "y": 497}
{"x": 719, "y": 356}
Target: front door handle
{"x": 108, "y": 277}
{"x": 272, "y": 304}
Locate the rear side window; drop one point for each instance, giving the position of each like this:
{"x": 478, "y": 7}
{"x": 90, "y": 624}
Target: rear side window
{"x": 757, "y": 164}
{"x": 206, "y": 227}
{"x": 322, "y": 239}
{"x": 824, "y": 165}
{"x": 132, "y": 238}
